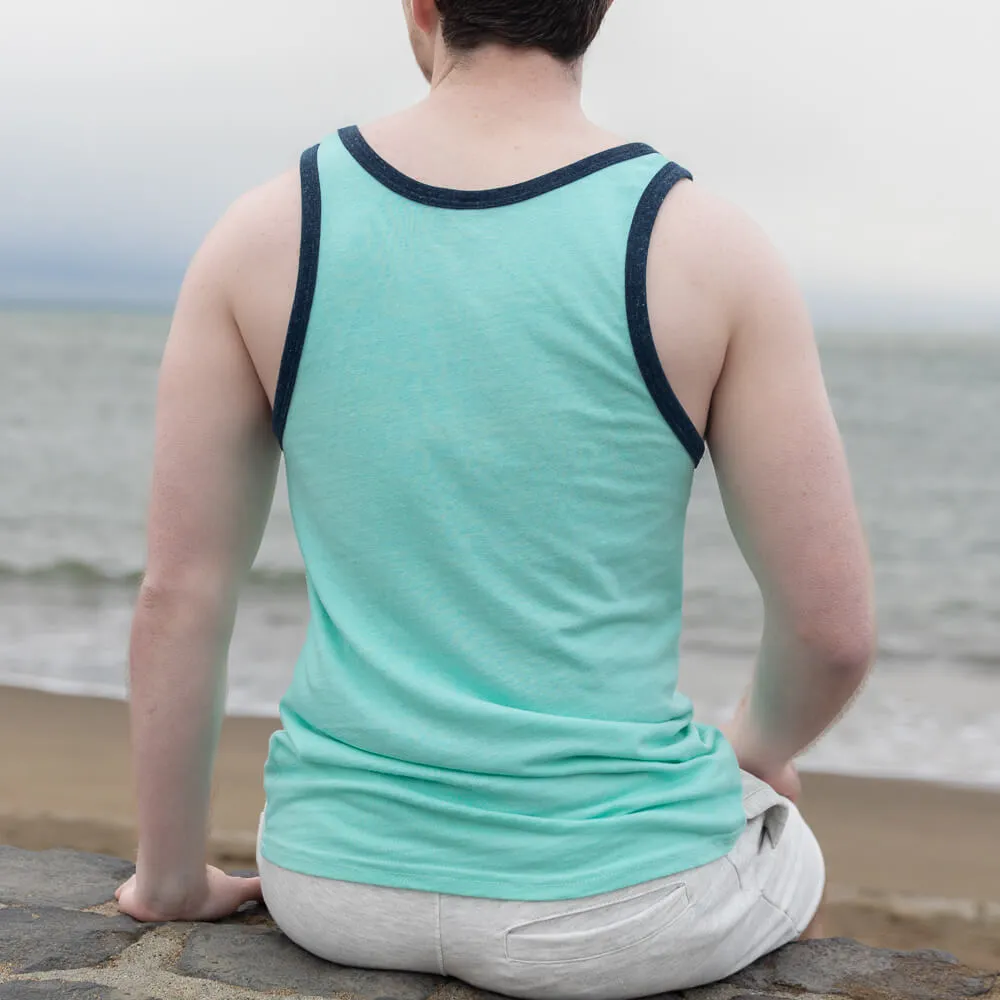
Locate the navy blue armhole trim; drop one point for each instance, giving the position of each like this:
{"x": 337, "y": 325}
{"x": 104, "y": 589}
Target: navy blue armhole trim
{"x": 438, "y": 197}
{"x": 637, "y": 303}
{"x": 305, "y": 289}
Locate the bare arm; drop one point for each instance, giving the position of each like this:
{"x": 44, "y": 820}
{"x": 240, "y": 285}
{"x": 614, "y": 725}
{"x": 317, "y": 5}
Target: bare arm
{"x": 787, "y": 492}
{"x": 214, "y": 475}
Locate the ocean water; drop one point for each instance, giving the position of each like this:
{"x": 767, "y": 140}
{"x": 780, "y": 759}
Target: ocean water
{"x": 920, "y": 416}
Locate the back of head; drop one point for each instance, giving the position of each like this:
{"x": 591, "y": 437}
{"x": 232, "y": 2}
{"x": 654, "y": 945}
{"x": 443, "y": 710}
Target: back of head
{"x": 563, "y": 28}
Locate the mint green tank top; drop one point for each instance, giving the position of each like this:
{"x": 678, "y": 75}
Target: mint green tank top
{"x": 488, "y": 475}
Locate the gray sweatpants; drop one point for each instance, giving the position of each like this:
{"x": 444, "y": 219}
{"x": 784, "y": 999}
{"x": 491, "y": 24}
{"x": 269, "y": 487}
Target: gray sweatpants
{"x": 673, "y": 933}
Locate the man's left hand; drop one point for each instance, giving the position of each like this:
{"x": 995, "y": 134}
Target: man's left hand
{"x": 220, "y": 895}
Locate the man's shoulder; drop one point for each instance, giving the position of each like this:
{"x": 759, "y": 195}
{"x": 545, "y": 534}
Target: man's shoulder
{"x": 714, "y": 241}
{"x": 265, "y": 219}
{"x": 713, "y": 276}
{"x": 711, "y": 253}
{"x": 258, "y": 235}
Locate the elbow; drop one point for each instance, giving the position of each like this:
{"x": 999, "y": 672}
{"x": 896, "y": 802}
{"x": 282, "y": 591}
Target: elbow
{"x": 157, "y": 597}
{"x": 829, "y": 620}
{"x": 184, "y": 595}
{"x": 846, "y": 646}
{"x": 177, "y": 616}
{"x": 835, "y": 629}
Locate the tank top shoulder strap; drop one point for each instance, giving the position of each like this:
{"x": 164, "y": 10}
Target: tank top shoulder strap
{"x": 305, "y": 287}
{"x": 637, "y": 304}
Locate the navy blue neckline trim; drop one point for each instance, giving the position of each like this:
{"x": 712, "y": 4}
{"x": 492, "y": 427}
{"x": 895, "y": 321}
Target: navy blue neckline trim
{"x": 305, "y": 289}
{"x": 637, "y": 303}
{"x": 438, "y": 197}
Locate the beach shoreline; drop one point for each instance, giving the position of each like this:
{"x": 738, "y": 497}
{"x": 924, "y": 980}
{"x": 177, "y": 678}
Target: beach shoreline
{"x": 910, "y": 864}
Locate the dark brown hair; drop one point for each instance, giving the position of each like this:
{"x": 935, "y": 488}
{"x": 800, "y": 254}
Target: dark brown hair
{"x": 564, "y": 28}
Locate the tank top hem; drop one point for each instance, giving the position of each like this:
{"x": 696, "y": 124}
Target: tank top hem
{"x": 610, "y": 878}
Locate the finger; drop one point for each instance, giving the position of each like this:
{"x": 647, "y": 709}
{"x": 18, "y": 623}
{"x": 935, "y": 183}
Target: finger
{"x": 251, "y": 890}
{"x": 230, "y": 895}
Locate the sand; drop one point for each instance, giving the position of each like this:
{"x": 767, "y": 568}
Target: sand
{"x": 910, "y": 864}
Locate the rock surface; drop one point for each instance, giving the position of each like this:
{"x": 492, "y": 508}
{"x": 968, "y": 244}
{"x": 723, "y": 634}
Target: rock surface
{"x": 59, "y": 878}
{"x": 55, "y": 989}
{"x": 40, "y": 939}
{"x": 846, "y": 968}
{"x": 51, "y": 948}
{"x": 262, "y": 958}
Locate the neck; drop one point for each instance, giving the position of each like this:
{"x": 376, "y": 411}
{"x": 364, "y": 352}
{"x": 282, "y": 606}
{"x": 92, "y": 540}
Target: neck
{"x": 496, "y": 85}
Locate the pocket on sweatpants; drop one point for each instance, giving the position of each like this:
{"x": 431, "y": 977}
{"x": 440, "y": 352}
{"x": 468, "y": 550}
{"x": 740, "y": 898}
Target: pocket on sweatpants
{"x": 593, "y": 930}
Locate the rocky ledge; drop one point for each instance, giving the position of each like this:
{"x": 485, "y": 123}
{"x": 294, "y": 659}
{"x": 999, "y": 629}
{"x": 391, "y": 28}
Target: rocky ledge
{"x": 61, "y": 936}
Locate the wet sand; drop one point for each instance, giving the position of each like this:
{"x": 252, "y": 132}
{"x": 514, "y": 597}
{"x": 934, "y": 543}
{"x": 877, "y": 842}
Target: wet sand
{"x": 910, "y": 864}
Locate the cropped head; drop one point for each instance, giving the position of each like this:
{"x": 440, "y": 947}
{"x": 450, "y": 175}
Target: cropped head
{"x": 565, "y": 29}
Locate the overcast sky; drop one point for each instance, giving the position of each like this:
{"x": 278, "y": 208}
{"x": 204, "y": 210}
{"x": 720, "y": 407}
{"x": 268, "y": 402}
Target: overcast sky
{"x": 861, "y": 133}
